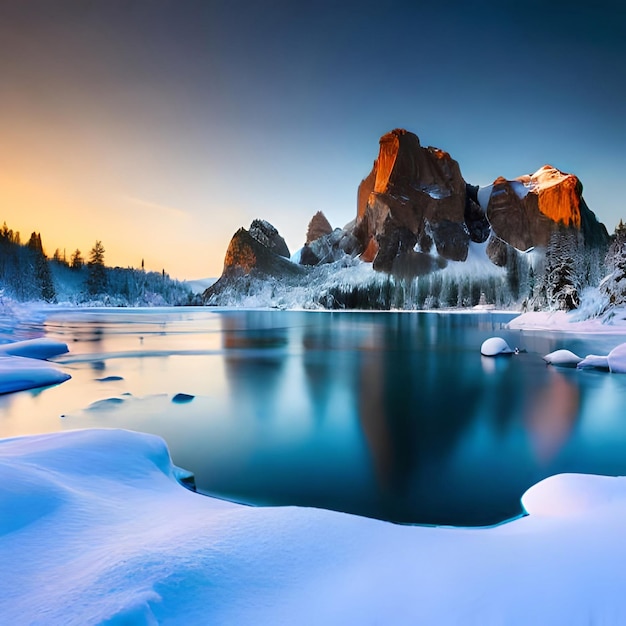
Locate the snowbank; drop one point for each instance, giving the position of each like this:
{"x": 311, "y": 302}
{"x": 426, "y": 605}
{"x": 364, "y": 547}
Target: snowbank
{"x": 560, "y": 320}
{"x": 95, "y": 528}
{"x": 19, "y": 373}
{"x": 22, "y": 366}
{"x": 41, "y": 348}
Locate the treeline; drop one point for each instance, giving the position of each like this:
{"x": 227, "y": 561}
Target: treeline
{"x": 27, "y": 274}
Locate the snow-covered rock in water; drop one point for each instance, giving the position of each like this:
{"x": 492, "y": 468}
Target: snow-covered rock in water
{"x": 617, "y": 359}
{"x": 19, "y": 373}
{"x": 594, "y": 361}
{"x": 41, "y": 348}
{"x": 565, "y": 358}
{"x": 495, "y": 346}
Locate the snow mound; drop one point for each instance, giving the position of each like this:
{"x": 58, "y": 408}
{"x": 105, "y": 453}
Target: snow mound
{"x": 572, "y": 494}
{"x": 565, "y": 358}
{"x": 19, "y": 373}
{"x": 41, "y": 348}
{"x": 594, "y": 361}
{"x": 495, "y": 346}
{"x": 617, "y": 359}
{"x": 97, "y": 529}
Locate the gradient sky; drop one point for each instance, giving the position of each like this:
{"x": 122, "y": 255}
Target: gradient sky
{"x": 162, "y": 126}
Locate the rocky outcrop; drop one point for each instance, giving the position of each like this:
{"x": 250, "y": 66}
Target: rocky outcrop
{"x": 413, "y": 200}
{"x": 325, "y": 245}
{"x": 268, "y": 236}
{"x": 329, "y": 248}
{"x": 524, "y": 212}
{"x": 246, "y": 255}
{"x": 318, "y": 227}
{"x": 254, "y": 257}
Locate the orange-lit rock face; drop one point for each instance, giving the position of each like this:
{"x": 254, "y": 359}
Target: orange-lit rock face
{"x": 410, "y": 190}
{"x": 318, "y": 227}
{"x": 559, "y": 195}
{"x": 369, "y": 254}
{"x": 389, "y": 148}
{"x": 239, "y": 254}
{"x": 525, "y": 211}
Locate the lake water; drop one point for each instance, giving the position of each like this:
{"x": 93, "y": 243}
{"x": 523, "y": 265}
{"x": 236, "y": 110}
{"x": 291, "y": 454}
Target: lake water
{"x": 388, "y": 415}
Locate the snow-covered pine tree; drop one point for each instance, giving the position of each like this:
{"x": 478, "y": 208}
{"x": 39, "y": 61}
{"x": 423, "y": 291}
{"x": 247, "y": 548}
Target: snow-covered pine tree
{"x": 613, "y": 285}
{"x": 563, "y": 276}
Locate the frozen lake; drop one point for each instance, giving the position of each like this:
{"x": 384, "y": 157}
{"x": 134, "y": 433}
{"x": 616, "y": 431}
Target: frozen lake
{"x": 389, "y": 415}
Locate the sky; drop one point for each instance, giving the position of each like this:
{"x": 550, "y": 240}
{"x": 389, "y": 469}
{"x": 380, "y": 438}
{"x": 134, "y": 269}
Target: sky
{"x": 160, "y": 127}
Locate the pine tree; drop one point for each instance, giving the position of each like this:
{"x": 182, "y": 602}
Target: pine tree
{"x": 57, "y": 256}
{"x": 44, "y": 287}
{"x": 44, "y": 278}
{"x": 562, "y": 278}
{"x": 613, "y": 286}
{"x": 97, "y": 277}
{"x": 76, "y": 260}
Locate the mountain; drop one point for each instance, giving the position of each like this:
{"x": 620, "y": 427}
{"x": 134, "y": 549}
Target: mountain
{"x": 417, "y": 218}
{"x": 524, "y": 212}
{"x": 411, "y": 203}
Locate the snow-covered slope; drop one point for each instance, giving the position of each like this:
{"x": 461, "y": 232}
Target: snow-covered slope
{"x": 95, "y": 529}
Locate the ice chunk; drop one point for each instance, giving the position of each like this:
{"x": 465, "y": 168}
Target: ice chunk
{"x": 495, "y": 346}
{"x": 617, "y": 359}
{"x": 41, "y": 348}
{"x": 19, "y": 373}
{"x": 565, "y": 358}
{"x": 594, "y": 361}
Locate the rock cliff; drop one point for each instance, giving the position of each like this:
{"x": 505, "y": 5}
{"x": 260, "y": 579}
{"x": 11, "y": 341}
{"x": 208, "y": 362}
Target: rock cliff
{"x": 255, "y": 254}
{"x": 524, "y": 212}
{"x": 413, "y": 200}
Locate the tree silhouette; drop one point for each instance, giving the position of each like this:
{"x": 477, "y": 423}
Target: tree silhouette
{"x": 97, "y": 276}
{"x": 43, "y": 278}
{"x": 76, "y": 260}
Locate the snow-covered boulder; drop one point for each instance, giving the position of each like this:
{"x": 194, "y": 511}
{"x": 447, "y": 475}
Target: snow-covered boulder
{"x": 41, "y": 348}
{"x": 617, "y": 359}
{"x": 594, "y": 361}
{"x": 495, "y": 346}
{"x": 564, "y": 358}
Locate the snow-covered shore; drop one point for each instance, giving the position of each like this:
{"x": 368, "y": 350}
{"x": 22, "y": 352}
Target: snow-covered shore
{"x": 570, "y": 322}
{"x": 96, "y": 529}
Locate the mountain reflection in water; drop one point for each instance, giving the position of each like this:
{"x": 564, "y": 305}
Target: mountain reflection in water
{"x": 391, "y": 415}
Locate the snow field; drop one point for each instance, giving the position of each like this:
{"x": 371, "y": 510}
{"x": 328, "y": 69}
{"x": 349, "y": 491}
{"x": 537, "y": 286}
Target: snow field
{"x": 96, "y": 529}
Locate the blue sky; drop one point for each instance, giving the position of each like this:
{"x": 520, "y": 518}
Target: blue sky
{"x": 161, "y": 127}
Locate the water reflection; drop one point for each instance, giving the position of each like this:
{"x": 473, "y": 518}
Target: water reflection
{"x": 551, "y": 414}
{"x": 391, "y": 415}
{"x": 254, "y": 361}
